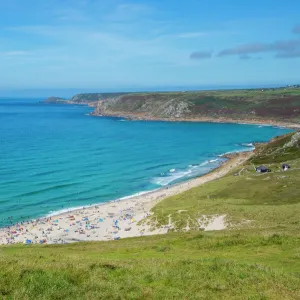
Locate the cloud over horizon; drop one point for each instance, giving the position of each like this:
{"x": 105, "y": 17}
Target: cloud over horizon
{"x": 281, "y": 49}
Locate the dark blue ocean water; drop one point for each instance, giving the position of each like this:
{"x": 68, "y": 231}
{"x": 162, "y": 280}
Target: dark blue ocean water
{"x": 54, "y": 157}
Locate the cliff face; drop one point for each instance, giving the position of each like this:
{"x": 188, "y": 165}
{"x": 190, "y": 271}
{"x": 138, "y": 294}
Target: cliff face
{"x": 147, "y": 106}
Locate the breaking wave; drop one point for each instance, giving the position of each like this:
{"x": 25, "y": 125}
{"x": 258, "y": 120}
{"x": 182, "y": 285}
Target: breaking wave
{"x": 177, "y": 175}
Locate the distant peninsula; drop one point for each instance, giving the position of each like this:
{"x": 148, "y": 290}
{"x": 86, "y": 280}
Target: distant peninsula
{"x": 265, "y": 105}
{"x": 55, "y": 100}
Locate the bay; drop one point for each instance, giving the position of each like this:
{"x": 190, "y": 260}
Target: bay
{"x": 56, "y": 157}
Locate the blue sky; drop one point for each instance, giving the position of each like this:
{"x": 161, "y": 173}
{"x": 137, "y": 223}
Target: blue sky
{"x": 114, "y": 44}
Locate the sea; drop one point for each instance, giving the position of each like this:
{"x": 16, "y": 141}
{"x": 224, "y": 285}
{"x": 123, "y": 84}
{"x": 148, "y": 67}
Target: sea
{"x": 56, "y": 157}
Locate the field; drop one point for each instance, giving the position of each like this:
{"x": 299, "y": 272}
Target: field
{"x": 232, "y": 265}
{"x": 257, "y": 257}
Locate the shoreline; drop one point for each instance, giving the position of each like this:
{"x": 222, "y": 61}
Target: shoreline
{"x": 222, "y": 120}
{"x": 222, "y": 158}
{"x": 115, "y": 219}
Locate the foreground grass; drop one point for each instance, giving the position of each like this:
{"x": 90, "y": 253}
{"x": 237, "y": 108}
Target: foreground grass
{"x": 232, "y": 265}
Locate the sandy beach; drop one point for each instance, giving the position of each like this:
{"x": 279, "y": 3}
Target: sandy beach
{"x": 116, "y": 219}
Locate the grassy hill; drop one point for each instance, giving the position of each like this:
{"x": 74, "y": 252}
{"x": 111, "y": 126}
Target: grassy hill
{"x": 249, "y": 199}
{"x": 94, "y": 97}
{"x": 265, "y": 104}
{"x": 282, "y": 104}
{"x": 258, "y": 257}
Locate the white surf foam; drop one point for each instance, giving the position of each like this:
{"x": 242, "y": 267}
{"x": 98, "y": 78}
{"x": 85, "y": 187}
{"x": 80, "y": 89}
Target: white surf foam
{"x": 65, "y": 210}
{"x": 248, "y": 145}
{"x": 237, "y": 151}
{"x": 191, "y": 171}
{"x": 71, "y": 209}
{"x": 163, "y": 181}
{"x": 136, "y": 195}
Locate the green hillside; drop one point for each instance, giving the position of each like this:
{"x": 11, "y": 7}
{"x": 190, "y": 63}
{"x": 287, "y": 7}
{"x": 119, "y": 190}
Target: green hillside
{"x": 93, "y": 97}
{"x": 247, "y": 198}
{"x": 257, "y": 257}
{"x": 264, "y": 104}
{"x": 282, "y": 104}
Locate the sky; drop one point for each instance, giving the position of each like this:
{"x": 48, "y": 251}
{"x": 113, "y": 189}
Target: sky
{"x": 119, "y": 44}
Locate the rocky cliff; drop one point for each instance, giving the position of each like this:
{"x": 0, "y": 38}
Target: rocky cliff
{"x": 149, "y": 105}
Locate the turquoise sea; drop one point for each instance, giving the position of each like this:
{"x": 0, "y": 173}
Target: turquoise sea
{"x": 55, "y": 157}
